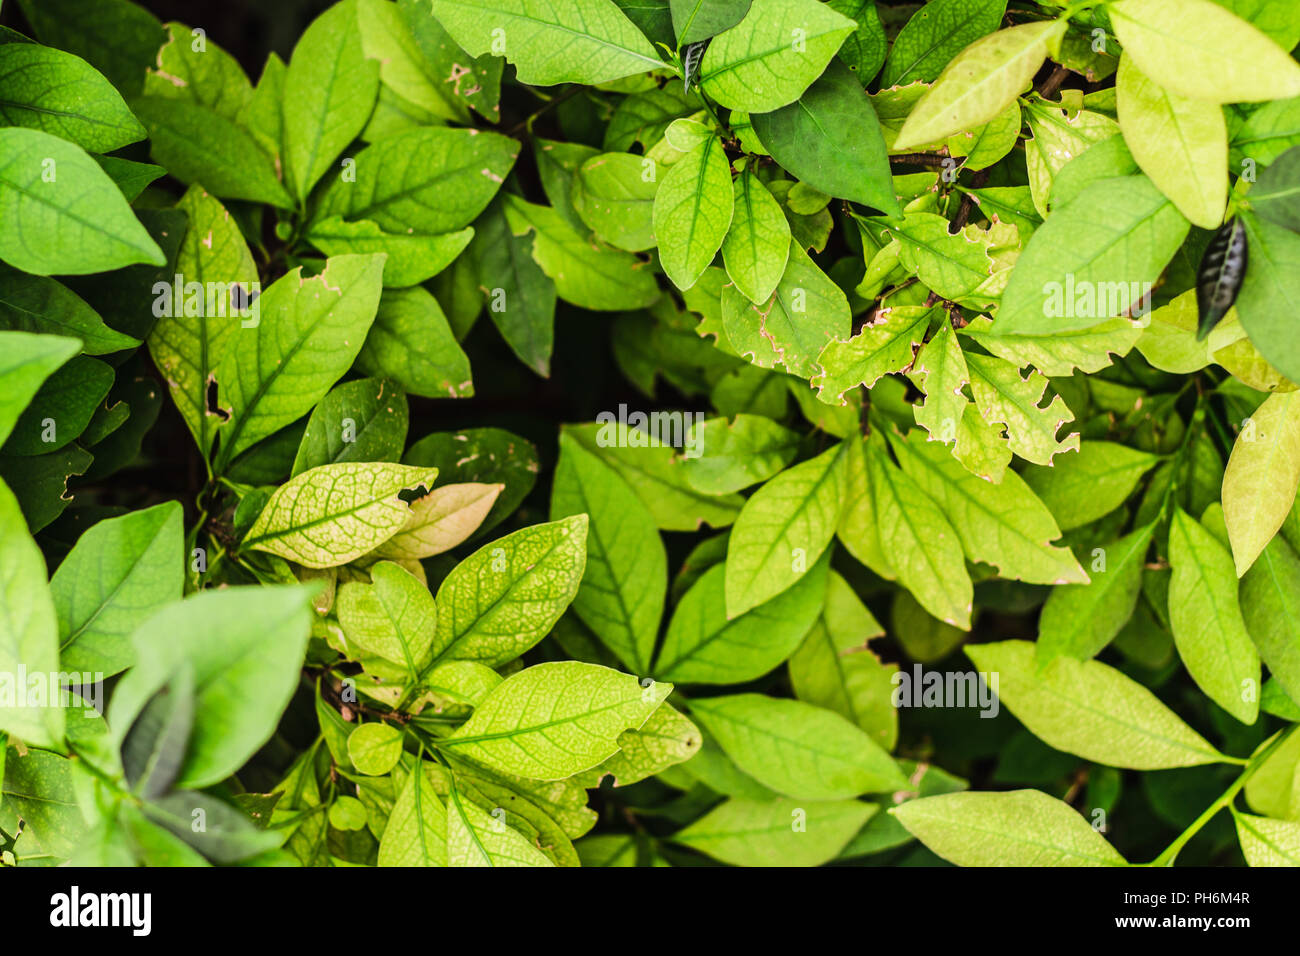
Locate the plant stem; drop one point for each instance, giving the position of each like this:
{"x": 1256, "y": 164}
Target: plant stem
{"x": 1171, "y": 852}
{"x": 722, "y": 127}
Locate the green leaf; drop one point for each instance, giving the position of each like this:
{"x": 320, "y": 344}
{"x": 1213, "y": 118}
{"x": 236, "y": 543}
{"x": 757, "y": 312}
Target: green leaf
{"x": 704, "y": 646}
{"x": 1005, "y": 398}
{"x": 782, "y": 530}
{"x": 755, "y": 66}
{"x": 187, "y": 342}
{"x": 795, "y": 325}
{"x": 578, "y": 41}
{"x": 1089, "y": 349}
{"x": 757, "y": 246}
{"x": 557, "y": 163}
{"x": 613, "y": 194}
{"x": 1267, "y": 133}
{"x": 118, "y": 38}
{"x": 781, "y": 832}
{"x": 51, "y": 189}
{"x": 1109, "y": 243}
{"x": 59, "y": 93}
{"x": 476, "y": 839}
{"x": 1272, "y": 283}
{"x": 864, "y": 50}
{"x": 940, "y": 372}
{"x": 1012, "y": 203}
{"x": 347, "y": 813}
{"x": 202, "y": 73}
{"x": 31, "y": 303}
{"x": 563, "y": 801}
{"x": 666, "y": 739}
{"x": 979, "y": 83}
{"x": 922, "y": 548}
{"x": 1003, "y": 525}
{"x": 1180, "y": 143}
{"x": 935, "y": 34}
{"x": 1272, "y": 789}
{"x": 120, "y": 572}
{"x": 882, "y": 346}
{"x": 329, "y": 90}
{"x": 1263, "y": 473}
{"x": 639, "y": 118}
{"x": 1271, "y": 17}
{"x": 199, "y": 146}
{"x": 394, "y": 616}
{"x": 830, "y": 139}
{"x": 1085, "y": 486}
{"x": 797, "y": 749}
{"x": 1197, "y": 49}
{"x": 1270, "y": 606}
{"x": 970, "y": 266}
{"x": 307, "y": 335}
{"x": 1275, "y": 196}
{"x": 66, "y": 402}
{"x": 626, "y": 579}
{"x": 362, "y": 420}
{"x": 42, "y": 788}
{"x": 336, "y": 513}
{"x": 375, "y": 748}
{"x": 658, "y": 476}
{"x": 515, "y": 805}
{"x": 412, "y": 343}
{"x": 695, "y": 20}
{"x": 412, "y": 258}
{"x": 506, "y": 596}
{"x": 521, "y": 297}
{"x": 1090, "y": 709}
{"x": 835, "y": 669}
{"x": 1205, "y": 617}
{"x": 1060, "y": 135}
{"x": 29, "y": 637}
{"x": 1069, "y": 158}
{"x": 1266, "y": 842}
{"x": 429, "y": 180}
{"x": 40, "y": 482}
{"x": 693, "y": 211}
{"x": 553, "y": 720}
{"x": 731, "y": 455}
{"x": 1080, "y": 621}
{"x": 586, "y": 274}
{"x": 1020, "y": 828}
{"x": 415, "y": 60}
{"x": 947, "y": 414}
{"x": 245, "y": 647}
{"x": 983, "y": 146}
{"x": 416, "y": 831}
{"x": 27, "y": 361}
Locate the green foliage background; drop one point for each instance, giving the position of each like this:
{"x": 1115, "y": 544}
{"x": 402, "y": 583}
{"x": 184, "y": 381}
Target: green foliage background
{"x": 381, "y": 571}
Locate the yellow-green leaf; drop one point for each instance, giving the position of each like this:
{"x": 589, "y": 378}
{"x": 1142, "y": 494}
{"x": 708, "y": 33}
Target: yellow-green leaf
{"x": 553, "y": 720}
{"x": 336, "y": 513}
{"x": 980, "y": 82}
{"x": 1263, "y": 473}
{"x": 1181, "y": 144}
{"x": 1020, "y": 828}
{"x": 1205, "y": 617}
{"x": 1090, "y": 709}
{"x": 1197, "y": 48}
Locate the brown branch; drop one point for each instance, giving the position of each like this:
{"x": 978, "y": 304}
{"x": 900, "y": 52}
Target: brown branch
{"x": 1053, "y": 82}
{"x": 932, "y": 160}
